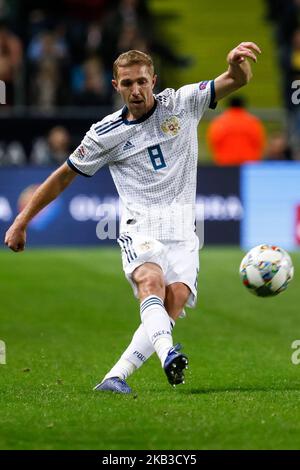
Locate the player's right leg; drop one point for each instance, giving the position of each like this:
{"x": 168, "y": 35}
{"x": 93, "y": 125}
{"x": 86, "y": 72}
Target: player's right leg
{"x": 140, "y": 348}
{"x": 149, "y": 280}
{"x": 150, "y": 284}
{"x": 136, "y": 253}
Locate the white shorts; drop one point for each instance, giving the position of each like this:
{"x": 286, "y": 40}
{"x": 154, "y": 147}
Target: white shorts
{"x": 179, "y": 260}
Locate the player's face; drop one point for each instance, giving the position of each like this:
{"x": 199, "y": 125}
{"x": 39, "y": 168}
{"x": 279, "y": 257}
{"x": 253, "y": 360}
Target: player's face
{"x": 135, "y": 84}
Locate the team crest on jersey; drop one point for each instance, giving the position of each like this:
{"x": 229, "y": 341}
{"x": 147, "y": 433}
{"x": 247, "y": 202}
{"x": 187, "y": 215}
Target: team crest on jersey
{"x": 145, "y": 246}
{"x": 171, "y": 126}
{"x": 203, "y": 85}
{"x": 80, "y": 152}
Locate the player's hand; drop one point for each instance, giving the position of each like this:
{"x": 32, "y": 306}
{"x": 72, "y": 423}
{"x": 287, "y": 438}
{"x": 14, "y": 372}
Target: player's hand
{"x": 245, "y": 50}
{"x": 15, "y": 237}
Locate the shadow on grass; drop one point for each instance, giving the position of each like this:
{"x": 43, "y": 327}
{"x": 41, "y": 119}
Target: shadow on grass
{"x": 242, "y": 389}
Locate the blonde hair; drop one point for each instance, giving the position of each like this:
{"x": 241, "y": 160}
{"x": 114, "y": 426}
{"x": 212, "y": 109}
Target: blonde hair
{"x": 131, "y": 58}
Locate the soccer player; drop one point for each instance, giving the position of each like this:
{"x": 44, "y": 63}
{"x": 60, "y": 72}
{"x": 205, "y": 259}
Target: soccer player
{"x": 151, "y": 149}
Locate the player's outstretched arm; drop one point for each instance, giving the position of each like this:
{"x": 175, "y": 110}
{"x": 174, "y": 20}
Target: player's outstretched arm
{"x": 15, "y": 237}
{"x": 239, "y": 69}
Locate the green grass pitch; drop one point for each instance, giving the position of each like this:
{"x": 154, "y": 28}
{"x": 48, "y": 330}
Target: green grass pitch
{"x": 66, "y": 315}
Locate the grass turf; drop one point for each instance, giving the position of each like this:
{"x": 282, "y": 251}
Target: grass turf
{"x": 67, "y": 314}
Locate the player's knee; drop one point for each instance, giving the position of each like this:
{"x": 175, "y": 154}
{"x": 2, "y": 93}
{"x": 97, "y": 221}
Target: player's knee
{"x": 151, "y": 284}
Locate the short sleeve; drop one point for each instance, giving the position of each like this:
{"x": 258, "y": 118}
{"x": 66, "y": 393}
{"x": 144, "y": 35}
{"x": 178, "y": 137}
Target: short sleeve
{"x": 197, "y": 97}
{"x": 90, "y": 156}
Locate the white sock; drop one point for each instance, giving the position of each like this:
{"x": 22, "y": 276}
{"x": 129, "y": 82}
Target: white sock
{"x": 157, "y": 325}
{"x": 140, "y": 348}
{"x": 137, "y": 353}
{"x": 121, "y": 369}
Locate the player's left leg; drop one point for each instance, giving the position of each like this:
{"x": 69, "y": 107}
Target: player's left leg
{"x": 177, "y": 295}
{"x": 134, "y": 356}
{"x": 149, "y": 279}
{"x": 140, "y": 347}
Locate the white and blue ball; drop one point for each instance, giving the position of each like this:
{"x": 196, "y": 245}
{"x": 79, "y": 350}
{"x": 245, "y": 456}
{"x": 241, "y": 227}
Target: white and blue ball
{"x": 266, "y": 270}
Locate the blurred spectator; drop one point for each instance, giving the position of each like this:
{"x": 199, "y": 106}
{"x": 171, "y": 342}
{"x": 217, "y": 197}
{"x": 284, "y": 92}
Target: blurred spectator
{"x": 59, "y": 142}
{"x": 122, "y": 25}
{"x": 130, "y": 38}
{"x": 60, "y": 37}
{"x": 94, "y": 37}
{"x": 12, "y": 155}
{"x": 54, "y": 150}
{"x": 3, "y": 9}
{"x": 49, "y": 69}
{"x": 9, "y": 12}
{"x": 277, "y": 147}
{"x": 47, "y": 89}
{"x": 87, "y": 9}
{"x": 285, "y": 16}
{"x": 94, "y": 90}
{"x": 49, "y": 44}
{"x": 131, "y": 25}
{"x": 84, "y": 20}
{"x": 290, "y": 67}
{"x": 236, "y": 136}
{"x": 61, "y": 41}
{"x": 37, "y": 23}
{"x": 11, "y": 53}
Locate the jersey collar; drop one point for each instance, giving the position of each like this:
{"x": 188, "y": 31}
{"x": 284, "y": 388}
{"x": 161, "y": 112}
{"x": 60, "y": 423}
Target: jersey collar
{"x": 142, "y": 119}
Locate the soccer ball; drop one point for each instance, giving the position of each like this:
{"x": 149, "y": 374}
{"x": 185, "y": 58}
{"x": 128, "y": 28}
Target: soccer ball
{"x": 266, "y": 270}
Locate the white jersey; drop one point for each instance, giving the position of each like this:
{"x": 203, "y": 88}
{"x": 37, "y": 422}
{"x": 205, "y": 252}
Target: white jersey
{"x": 152, "y": 160}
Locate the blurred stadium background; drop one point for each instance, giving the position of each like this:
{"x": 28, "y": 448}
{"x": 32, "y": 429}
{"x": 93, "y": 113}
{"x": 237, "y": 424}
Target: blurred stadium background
{"x": 55, "y": 60}
{"x": 56, "y": 64}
